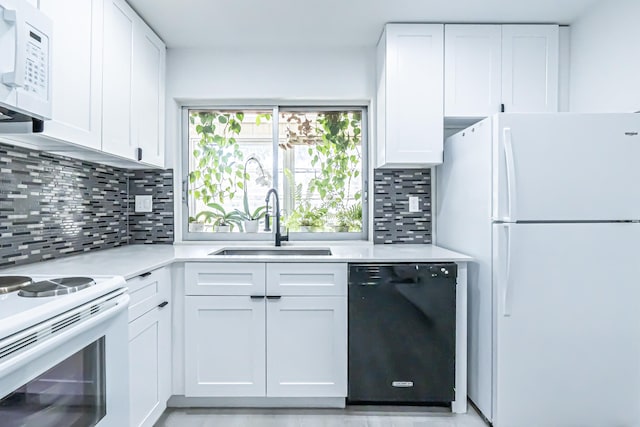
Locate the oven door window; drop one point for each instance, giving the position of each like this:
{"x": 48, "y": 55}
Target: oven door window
{"x": 72, "y": 393}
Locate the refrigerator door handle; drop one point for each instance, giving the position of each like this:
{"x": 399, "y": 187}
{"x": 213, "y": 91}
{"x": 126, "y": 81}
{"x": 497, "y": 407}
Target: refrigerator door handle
{"x": 511, "y": 174}
{"x": 506, "y": 297}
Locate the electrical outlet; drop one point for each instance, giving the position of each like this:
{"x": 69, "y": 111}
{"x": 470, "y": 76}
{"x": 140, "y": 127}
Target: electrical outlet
{"x": 144, "y": 204}
{"x": 414, "y": 204}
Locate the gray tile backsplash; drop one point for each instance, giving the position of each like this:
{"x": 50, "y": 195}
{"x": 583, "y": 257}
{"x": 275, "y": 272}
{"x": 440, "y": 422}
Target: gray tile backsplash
{"x": 392, "y": 221}
{"x": 53, "y": 206}
{"x": 156, "y": 226}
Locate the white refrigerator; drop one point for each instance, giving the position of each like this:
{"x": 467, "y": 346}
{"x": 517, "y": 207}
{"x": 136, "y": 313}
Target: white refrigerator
{"x": 548, "y": 205}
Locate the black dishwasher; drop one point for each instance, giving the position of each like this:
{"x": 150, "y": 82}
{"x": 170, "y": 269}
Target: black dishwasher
{"x": 402, "y": 320}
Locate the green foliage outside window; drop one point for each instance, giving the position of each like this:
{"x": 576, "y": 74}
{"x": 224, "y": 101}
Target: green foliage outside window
{"x": 333, "y": 140}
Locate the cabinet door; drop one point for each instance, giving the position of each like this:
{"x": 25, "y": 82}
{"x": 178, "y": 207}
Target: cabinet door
{"x": 149, "y": 366}
{"x": 224, "y": 346}
{"x": 76, "y": 72}
{"x": 148, "y": 290}
{"x": 472, "y": 64}
{"x": 119, "y": 22}
{"x": 301, "y": 279}
{"x": 148, "y": 94}
{"x": 307, "y": 347}
{"x": 229, "y": 278}
{"x": 414, "y": 94}
{"x": 530, "y": 68}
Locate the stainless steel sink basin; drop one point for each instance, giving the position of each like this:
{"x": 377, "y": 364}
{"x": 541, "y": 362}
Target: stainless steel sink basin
{"x": 273, "y": 251}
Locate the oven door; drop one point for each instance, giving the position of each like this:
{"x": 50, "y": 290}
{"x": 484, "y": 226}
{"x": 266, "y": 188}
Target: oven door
{"x": 69, "y": 371}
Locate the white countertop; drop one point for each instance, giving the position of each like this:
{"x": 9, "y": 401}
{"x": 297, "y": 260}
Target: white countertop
{"x": 130, "y": 261}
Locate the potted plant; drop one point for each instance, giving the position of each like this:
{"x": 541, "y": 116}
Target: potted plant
{"x": 306, "y": 218}
{"x": 251, "y": 220}
{"x": 222, "y": 221}
{"x": 349, "y": 219}
{"x": 195, "y": 226}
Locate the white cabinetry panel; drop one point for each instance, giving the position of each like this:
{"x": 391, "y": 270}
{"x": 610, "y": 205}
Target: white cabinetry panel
{"x": 117, "y": 113}
{"x": 149, "y": 366}
{"x": 410, "y": 95}
{"x": 307, "y": 347}
{"x": 225, "y": 342}
{"x": 239, "y": 278}
{"x": 472, "y": 63}
{"x": 76, "y": 72}
{"x": 301, "y": 279}
{"x": 530, "y": 68}
{"x": 148, "y": 95}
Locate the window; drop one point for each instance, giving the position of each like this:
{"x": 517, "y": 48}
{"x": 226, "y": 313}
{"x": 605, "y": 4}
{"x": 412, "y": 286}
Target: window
{"x": 315, "y": 157}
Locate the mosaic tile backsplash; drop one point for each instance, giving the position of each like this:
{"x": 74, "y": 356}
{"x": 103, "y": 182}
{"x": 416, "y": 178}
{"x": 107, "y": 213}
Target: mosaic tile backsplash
{"x": 53, "y": 206}
{"x": 156, "y": 226}
{"x": 392, "y": 221}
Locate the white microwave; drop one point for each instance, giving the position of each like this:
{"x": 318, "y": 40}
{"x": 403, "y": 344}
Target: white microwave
{"x": 25, "y": 67}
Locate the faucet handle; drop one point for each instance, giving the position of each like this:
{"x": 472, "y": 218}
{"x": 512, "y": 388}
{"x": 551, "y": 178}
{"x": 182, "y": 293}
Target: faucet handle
{"x": 267, "y": 228}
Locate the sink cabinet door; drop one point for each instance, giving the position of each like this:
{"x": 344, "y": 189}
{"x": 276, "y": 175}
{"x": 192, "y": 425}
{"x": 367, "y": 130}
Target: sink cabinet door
{"x": 224, "y": 346}
{"x": 307, "y": 279}
{"x": 307, "y": 347}
{"x": 229, "y": 278}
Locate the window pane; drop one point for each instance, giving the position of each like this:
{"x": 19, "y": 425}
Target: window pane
{"x": 321, "y": 170}
{"x": 230, "y": 164}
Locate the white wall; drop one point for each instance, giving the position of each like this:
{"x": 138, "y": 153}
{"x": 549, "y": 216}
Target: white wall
{"x": 605, "y": 58}
{"x": 252, "y": 77}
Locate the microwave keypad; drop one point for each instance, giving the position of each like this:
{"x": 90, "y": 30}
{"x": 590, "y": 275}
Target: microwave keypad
{"x": 36, "y": 66}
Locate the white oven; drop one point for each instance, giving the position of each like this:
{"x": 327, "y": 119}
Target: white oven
{"x": 70, "y": 369}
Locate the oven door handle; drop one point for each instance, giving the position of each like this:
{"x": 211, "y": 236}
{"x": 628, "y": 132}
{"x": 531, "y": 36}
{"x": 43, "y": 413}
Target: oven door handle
{"x": 118, "y": 306}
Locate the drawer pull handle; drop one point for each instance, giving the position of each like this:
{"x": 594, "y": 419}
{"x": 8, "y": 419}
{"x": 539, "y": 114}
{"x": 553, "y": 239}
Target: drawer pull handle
{"x": 274, "y": 296}
{"x": 147, "y": 274}
{"x": 163, "y": 304}
{"x": 257, "y": 296}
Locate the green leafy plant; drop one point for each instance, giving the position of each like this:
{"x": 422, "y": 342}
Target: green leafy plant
{"x": 305, "y": 215}
{"x": 257, "y": 214}
{"x": 218, "y": 173}
{"x": 334, "y": 145}
{"x": 350, "y": 218}
{"x": 217, "y": 216}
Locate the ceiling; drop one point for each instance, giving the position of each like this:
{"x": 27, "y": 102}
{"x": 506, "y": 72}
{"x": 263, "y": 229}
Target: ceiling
{"x": 328, "y": 23}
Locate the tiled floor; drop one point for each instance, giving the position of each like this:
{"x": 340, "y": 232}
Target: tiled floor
{"x": 358, "y": 417}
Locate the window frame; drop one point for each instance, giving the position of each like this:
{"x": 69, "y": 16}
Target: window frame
{"x": 189, "y": 236}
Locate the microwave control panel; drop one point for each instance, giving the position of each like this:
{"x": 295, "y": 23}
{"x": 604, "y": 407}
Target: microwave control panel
{"x": 36, "y": 71}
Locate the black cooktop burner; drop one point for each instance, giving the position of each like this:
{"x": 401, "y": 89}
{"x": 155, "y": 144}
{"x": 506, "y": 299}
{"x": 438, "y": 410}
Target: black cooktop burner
{"x": 13, "y": 283}
{"x": 55, "y": 287}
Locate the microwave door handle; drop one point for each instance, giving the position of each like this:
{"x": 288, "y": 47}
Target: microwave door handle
{"x": 16, "y": 77}
{"x": 511, "y": 174}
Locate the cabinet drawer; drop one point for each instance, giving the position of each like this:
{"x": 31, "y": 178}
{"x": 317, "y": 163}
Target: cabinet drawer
{"x": 233, "y": 278}
{"x": 147, "y": 291}
{"x": 301, "y": 279}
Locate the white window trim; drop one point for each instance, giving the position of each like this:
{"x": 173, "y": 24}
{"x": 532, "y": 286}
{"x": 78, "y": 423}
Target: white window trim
{"x": 182, "y": 220}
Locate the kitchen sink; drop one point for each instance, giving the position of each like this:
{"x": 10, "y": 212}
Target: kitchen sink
{"x": 273, "y": 251}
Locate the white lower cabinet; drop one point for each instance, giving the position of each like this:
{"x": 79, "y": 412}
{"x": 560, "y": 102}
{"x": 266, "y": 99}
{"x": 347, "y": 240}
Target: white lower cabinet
{"x": 225, "y": 344}
{"x": 307, "y": 347}
{"x": 149, "y": 348}
{"x": 271, "y": 343}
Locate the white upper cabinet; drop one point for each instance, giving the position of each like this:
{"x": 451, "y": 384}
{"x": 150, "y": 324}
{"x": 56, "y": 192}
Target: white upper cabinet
{"x": 530, "y": 68}
{"x": 133, "y": 87}
{"x": 76, "y": 72}
{"x": 472, "y": 62}
{"x": 149, "y": 55}
{"x": 410, "y": 95}
{"x": 119, "y": 21}
{"x": 491, "y": 66}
